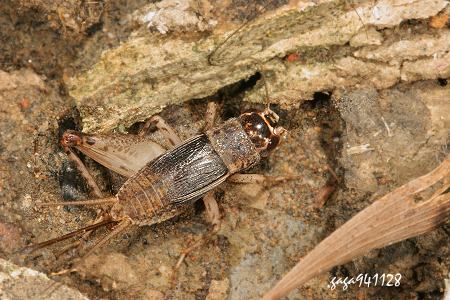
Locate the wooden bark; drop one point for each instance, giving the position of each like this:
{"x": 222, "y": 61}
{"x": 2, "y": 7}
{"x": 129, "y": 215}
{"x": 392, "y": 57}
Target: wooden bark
{"x": 336, "y": 40}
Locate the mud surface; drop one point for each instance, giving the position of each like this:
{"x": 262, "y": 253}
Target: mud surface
{"x": 374, "y": 140}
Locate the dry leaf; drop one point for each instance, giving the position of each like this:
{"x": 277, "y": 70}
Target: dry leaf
{"x": 394, "y": 217}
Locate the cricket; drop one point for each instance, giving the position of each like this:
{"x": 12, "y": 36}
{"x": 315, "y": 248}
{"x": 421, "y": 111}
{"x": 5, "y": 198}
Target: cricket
{"x": 160, "y": 188}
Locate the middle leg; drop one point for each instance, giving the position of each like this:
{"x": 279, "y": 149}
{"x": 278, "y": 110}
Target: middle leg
{"x": 212, "y": 208}
{"x": 209, "y": 199}
{"x": 168, "y": 132}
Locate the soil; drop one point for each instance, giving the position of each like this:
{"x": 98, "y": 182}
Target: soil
{"x": 265, "y": 229}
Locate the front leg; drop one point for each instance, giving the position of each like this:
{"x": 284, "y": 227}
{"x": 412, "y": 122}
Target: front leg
{"x": 261, "y": 179}
{"x": 210, "y": 115}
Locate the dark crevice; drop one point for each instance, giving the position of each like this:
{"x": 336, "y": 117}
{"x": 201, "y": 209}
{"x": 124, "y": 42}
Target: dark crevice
{"x": 320, "y": 100}
{"x": 233, "y": 94}
{"x": 94, "y": 28}
{"x": 72, "y": 184}
{"x": 71, "y": 120}
{"x": 442, "y": 81}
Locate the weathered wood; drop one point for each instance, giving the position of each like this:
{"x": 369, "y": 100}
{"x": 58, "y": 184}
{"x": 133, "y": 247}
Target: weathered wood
{"x": 150, "y": 70}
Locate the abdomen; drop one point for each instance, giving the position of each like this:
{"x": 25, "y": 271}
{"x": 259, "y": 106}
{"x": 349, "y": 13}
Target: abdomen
{"x": 179, "y": 176}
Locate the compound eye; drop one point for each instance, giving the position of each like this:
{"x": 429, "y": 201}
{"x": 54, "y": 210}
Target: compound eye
{"x": 262, "y": 130}
{"x": 255, "y": 125}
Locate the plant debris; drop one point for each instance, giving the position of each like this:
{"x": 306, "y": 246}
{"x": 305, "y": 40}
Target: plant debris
{"x": 394, "y": 217}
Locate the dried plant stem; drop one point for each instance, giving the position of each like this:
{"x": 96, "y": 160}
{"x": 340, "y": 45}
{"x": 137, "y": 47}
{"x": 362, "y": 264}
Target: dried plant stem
{"x": 392, "y": 218}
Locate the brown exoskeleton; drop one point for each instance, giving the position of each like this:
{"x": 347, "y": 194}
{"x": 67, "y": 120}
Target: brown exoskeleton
{"x": 162, "y": 187}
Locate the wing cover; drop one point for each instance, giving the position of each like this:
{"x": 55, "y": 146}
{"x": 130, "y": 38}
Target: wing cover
{"x": 183, "y": 173}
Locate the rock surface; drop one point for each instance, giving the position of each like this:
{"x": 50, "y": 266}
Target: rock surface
{"x": 24, "y": 283}
{"x": 148, "y": 72}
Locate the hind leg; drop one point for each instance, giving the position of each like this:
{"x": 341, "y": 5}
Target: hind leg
{"x": 169, "y": 133}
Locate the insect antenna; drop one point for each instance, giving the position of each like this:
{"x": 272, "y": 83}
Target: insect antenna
{"x": 360, "y": 19}
{"x": 215, "y": 51}
{"x": 78, "y": 232}
{"x": 266, "y": 89}
{"x": 260, "y": 9}
{"x": 261, "y": 70}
